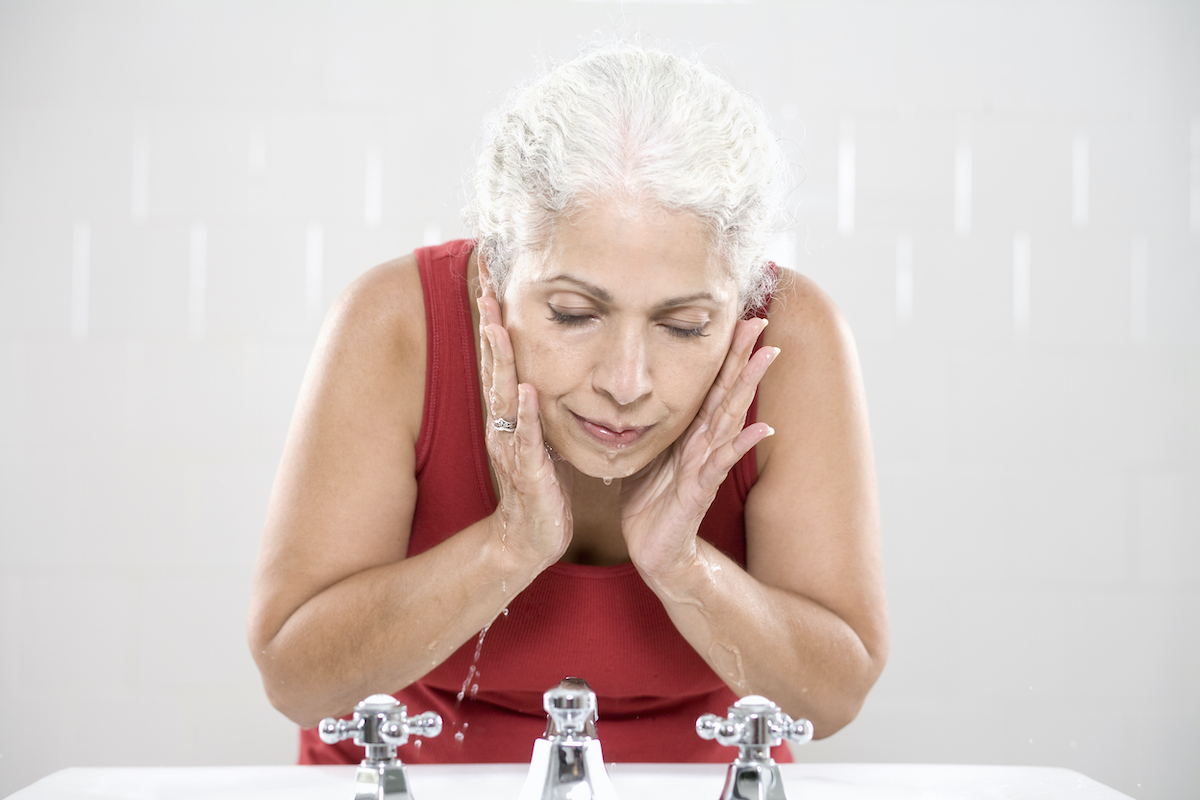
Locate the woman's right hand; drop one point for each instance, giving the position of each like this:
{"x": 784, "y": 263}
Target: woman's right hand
{"x": 533, "y": 518}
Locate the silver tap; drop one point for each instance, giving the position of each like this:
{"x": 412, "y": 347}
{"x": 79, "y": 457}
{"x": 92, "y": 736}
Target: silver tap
{"x": 380, "y": 724}
{"x": 567, "y": 763}
{"x": 755, "y": 725}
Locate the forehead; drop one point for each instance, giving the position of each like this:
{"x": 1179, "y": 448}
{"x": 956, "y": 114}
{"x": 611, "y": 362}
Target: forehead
{"x": 633, "y": 251}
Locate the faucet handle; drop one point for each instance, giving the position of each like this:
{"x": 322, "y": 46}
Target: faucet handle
{"x": 428, "y": 724}
{"x": 380, "y": 720}
{"x": 570, "y": 709}
{"x": 754, "y": 722}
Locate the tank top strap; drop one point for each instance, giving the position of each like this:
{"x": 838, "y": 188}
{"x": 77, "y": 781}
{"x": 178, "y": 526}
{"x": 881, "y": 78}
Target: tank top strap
{"x": 452, "y": 419}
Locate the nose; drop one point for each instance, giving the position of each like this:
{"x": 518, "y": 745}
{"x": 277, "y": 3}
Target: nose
{"x": 622, "y": 370}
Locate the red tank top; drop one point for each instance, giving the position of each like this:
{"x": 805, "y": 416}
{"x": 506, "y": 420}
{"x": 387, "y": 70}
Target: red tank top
{"x": 602, "y": 624}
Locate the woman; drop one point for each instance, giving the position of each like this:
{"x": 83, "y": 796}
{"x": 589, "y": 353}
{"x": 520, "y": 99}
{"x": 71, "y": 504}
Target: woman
{"x": 538, "y": 453}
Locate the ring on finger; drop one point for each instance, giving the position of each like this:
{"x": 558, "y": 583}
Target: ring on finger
{"x": 503, "y": 425}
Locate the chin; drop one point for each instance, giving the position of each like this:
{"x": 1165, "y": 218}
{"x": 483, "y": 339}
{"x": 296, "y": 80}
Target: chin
{"x": 601, "y": 464}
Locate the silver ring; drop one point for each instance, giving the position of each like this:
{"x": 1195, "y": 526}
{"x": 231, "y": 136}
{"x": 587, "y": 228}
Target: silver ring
{"x": 503, "y": 425}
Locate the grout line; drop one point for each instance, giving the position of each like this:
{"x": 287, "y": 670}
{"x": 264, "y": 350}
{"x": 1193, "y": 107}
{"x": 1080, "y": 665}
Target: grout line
{"x": 81, "y": 258}
{"x": 904, "y": 278}
{"x": 1194, "y": 192}
{"x": 314, "y": 267}
{"x": 197, "y": 280}
{"x": 140, "y": 201}
{"x": 845, "y": 208}
{"x": 1138, "y": 285}
{"x": 373, "y": 200}
{"x": 962, "y": 186}
{"x": 13, "y": 408}
{"x": 1079, "y": 180}
{"x": 1021, "y": 285}
{"x": 12, "y": 614}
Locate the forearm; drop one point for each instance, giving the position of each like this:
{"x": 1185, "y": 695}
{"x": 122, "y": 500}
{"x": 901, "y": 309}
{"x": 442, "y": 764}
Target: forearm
{"x": 763, "y": 640}
{"x": 385, "y": 627}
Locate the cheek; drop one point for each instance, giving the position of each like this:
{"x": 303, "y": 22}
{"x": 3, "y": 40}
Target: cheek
{"x": 685, "y": 381}
{"x": 542, "y": 363}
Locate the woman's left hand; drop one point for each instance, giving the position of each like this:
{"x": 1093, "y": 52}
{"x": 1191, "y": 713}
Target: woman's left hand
{"x": 662, "y": 504}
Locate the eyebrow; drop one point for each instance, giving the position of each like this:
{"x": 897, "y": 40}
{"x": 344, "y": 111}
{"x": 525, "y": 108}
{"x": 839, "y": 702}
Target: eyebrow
{"x": 604, "y": 296}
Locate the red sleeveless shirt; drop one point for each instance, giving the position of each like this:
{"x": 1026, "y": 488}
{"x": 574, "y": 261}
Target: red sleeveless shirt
{"x": 602, "y": 624}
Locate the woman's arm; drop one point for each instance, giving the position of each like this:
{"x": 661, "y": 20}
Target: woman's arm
{"x": 338, "y": 612}
{"x": 805, "y": 623}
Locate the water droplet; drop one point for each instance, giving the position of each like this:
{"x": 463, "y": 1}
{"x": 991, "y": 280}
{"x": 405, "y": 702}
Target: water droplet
{"x": 479, "y": 646}
{"x": 458, "y": 737}
{"x": 608, "y": 481}
{"x": 466, "y": 725}
{"x": 474, "y": 691}
{"x": 505, "y": 611}
{"x": 417, "y": 744}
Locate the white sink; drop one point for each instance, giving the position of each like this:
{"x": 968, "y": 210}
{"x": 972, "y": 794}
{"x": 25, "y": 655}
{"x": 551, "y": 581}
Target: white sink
{"x": 631, "y": 781}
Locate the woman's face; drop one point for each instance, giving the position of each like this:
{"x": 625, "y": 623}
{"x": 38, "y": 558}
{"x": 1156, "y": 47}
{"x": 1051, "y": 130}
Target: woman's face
{"x": 621, "y": 328}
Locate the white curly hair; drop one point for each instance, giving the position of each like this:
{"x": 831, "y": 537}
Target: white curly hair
{"x": 643, "y": 126}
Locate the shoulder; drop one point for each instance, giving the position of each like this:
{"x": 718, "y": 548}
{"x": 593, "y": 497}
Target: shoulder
{"x": 803, "y": 314}
{"x": 372, "y": 343}
{"x": 384, "y": 303}
{"x": 817, "y": 370}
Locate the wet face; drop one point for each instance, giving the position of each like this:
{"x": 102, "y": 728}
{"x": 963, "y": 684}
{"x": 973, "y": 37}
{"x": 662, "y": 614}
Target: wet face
{"x": 622, "y": 328}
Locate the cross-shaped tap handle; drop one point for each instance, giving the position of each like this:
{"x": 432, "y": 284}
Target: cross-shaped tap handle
{"x": 380, "y": 720}
{"x": 754, "y": 722}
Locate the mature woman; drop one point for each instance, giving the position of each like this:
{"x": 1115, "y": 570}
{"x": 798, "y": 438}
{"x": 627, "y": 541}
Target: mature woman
{"x": 545, "y": 451}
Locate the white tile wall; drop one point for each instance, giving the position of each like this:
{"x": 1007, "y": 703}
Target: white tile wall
{"x": 1039, "y": 464}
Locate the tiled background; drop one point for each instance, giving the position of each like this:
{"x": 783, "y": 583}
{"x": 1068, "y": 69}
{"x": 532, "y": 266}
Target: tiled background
{"x": 1004, "y": 197}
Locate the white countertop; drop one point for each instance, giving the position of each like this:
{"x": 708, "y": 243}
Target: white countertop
{"x": 632, "y": 782}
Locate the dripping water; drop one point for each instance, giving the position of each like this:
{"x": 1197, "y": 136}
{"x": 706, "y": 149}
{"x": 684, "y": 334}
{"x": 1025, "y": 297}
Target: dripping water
{"x": 474, "y": 670}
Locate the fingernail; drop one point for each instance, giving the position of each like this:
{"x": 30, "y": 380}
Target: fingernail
{"x": 491, "y": 337}
{"x": 772, "y": 352}
{"x": 521, "y": 394}
{"x": 770, "y": 431}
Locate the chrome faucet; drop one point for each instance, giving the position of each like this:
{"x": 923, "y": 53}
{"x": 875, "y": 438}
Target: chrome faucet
{"x": 567, "y": 763}
{"x": 380, "y": 723}
{"x": 755, "y": 725}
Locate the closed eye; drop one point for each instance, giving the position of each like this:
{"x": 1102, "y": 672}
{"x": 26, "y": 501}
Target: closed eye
{"x": 569, "y": 319}
{"x": 684, "y": 332}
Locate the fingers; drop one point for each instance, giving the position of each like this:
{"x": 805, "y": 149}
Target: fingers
{"x": 730, "y": 414}
{"x": 485, "y": 346}
{"x": 498, "y": 365}
{"x": 528, "y": 435}
{"x": 744, "y": 336}
{"x": 722, "y": 458}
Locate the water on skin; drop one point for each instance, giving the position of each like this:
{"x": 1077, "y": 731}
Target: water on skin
{"x": 608, "y": 481}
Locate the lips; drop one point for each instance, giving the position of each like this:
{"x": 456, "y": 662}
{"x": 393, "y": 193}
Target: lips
{"x": 611, "y": 434}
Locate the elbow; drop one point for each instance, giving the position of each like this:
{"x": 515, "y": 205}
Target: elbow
{"x": 847, "y": 698}
{"x": 284, "y": 693}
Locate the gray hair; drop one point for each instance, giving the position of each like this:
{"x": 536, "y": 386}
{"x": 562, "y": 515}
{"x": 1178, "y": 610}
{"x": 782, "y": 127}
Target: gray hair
{"x": 639, "y": 125}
